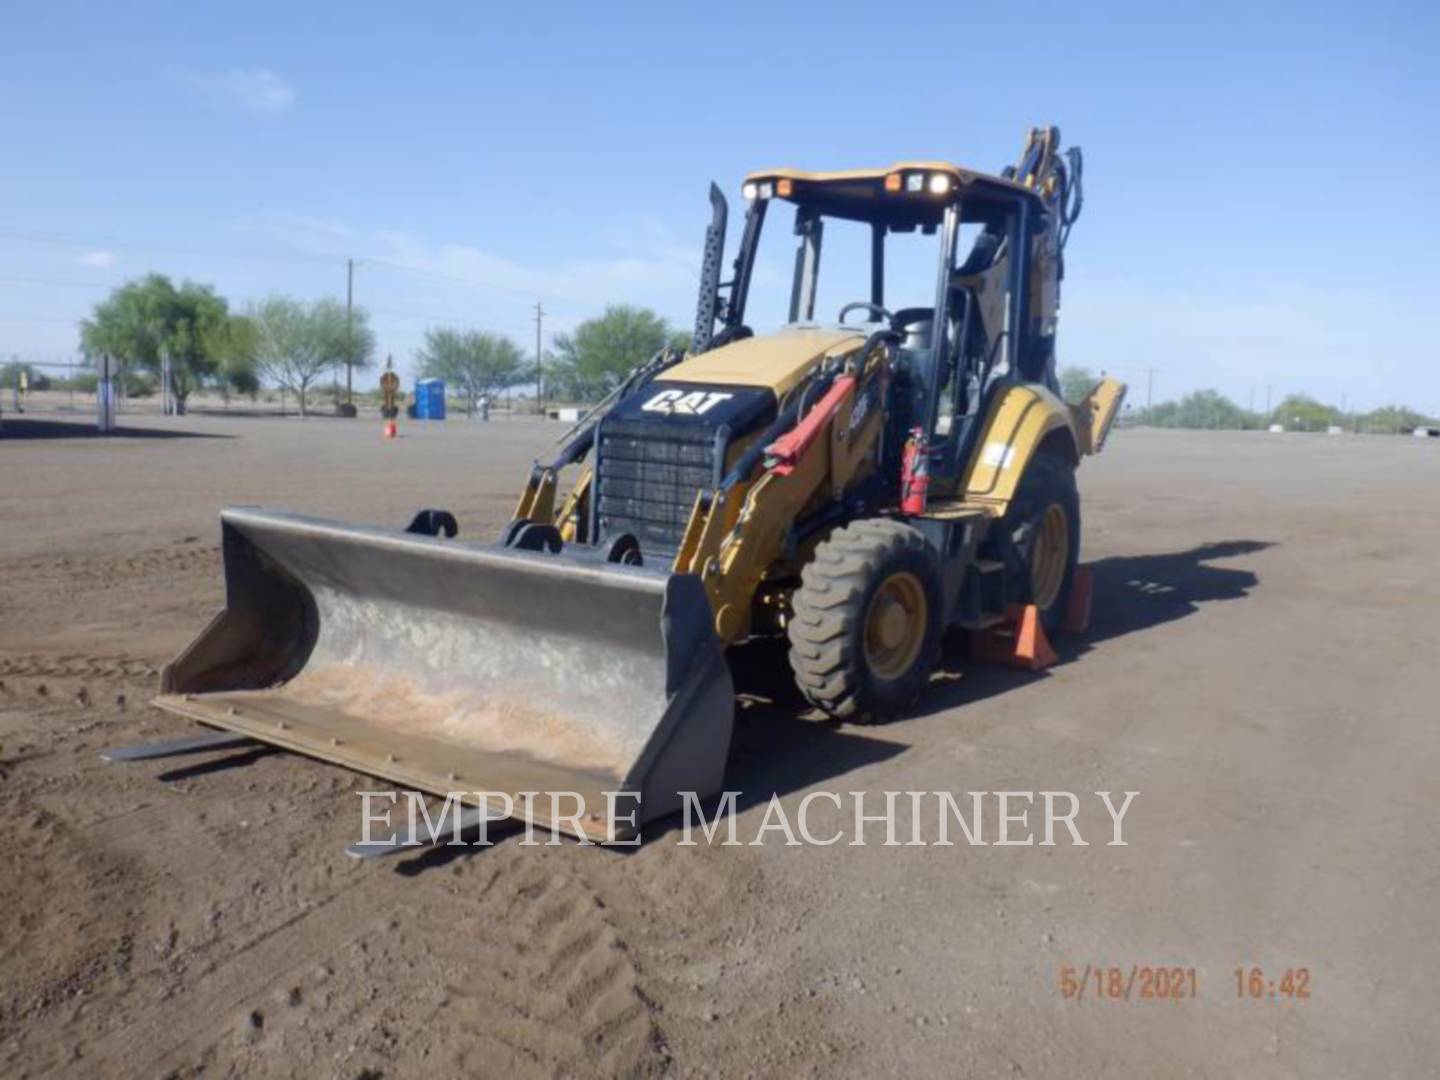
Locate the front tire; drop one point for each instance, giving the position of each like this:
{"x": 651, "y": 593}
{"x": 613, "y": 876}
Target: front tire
{"x": 865, "y": 625}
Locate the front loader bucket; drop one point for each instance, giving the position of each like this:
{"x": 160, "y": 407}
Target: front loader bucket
{"x": 485, "y": 672}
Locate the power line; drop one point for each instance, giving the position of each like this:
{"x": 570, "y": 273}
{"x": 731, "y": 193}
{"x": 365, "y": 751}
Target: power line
{"x": 56, "y": 281}
{"x": 433, "y": 317}
{"x": 438, "y": 275}
{"x": 164, "y": 249}
{"x": 291, "y": 257}
{"x": 539, "y": 361}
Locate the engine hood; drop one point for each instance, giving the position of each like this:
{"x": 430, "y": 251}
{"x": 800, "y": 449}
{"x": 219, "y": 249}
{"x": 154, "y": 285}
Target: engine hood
{"x": 776, "y": 361}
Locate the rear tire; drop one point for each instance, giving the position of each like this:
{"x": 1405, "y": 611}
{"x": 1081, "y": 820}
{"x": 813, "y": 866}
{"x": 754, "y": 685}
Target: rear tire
{"x": 865, "y": 624}
{"x": 1039, "y": 539}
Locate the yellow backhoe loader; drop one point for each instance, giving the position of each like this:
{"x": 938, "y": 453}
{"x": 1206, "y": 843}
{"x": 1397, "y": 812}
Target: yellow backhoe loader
{"x": 858, "y": 486}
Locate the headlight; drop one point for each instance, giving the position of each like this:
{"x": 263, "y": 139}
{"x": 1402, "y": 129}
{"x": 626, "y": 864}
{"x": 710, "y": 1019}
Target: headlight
{"x": 749, "y": 191}
{"x": 939, "y": 184}
{"x": 915, "y": 182}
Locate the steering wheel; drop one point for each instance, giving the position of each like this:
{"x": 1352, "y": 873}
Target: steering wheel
{"x": 864, "y": 305}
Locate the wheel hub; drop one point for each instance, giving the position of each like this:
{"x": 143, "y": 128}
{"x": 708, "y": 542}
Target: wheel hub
{"x": 895, "y": 625}
{"x": 1049, "y": 556}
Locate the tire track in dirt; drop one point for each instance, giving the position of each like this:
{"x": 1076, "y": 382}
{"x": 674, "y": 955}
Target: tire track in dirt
{"x": 185, "y": 558}
{"x": 151, "y": 601}
{"x": 535, "y": 972}
{"x": 507, "y": 961}
{"x": 52, "y": 968}
{"x": 168, "y": 1036}
{"x": 712, "y": 975}
{"x": 36, "y": 665}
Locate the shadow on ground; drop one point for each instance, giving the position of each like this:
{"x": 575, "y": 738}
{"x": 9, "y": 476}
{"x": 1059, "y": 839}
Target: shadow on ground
{"x": 1137, "y": 592}
{"x": 24, "y": 427}
{"x": 782, "y": 745}
{"x": 1132, "y": 593}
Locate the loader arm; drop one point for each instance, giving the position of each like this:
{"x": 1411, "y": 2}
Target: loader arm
{"x": 737, "y": 534}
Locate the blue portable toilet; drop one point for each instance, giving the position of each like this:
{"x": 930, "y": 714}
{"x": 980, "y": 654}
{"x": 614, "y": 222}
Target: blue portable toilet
{"x": 429, "y": 399}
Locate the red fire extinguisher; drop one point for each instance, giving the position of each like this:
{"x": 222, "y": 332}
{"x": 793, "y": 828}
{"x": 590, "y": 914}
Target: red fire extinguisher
{"x": 915, "y": 473}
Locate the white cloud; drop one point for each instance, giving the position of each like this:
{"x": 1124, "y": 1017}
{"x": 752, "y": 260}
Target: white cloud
{"x": 650, "y": 270}
{"x": 304, "y": 230}
{"x": 258, "y": 90}
{"x": 1240, "y": 338}
{"x": 99, "y": 259}
{"x": 410, "y": 282}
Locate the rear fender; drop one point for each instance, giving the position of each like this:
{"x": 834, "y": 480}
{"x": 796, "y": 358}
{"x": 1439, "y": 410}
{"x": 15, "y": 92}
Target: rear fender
{"x": 1096, "y": 413}
{"x": 1021, "y": 420}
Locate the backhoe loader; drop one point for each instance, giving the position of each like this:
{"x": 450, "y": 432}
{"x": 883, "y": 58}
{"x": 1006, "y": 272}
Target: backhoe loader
{"x": 856, "y": 487}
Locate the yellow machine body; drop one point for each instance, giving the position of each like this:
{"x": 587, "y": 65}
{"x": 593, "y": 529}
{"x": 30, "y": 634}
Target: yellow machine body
{"x": 577, "y": 656}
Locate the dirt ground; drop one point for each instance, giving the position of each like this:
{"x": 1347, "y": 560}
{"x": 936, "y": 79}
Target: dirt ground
{"x": 1262, "y": 668}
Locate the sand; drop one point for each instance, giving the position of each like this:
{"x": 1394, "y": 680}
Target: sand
{"x": 1262, "y": 668}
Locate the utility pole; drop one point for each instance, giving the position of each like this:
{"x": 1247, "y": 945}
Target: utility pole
{"x": 1268, "y": 388}
{"x": 349, "y": 331}
{"x": 539, "y": 363}
{"x": 1149, "y": 388}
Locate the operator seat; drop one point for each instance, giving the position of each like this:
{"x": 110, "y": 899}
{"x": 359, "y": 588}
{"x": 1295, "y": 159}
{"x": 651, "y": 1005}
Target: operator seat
{"x": 917, "y": 325}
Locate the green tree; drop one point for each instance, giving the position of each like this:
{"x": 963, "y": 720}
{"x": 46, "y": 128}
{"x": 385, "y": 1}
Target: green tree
{"x": 146, "y": 322}
{"x": 1210, "y": 409}
{"x": 1075, "y": 383}
{"x": 1201, "y": 409}
{"x": 1393, "y": 418}
{"x": 588, "y": 364}
{"x": 234, "y": 344}
{"x": 473, "y": 362}
{"x": 1304, "y": 412}
{"x": 35, "y": 379}
{"x": 296, "y": 342}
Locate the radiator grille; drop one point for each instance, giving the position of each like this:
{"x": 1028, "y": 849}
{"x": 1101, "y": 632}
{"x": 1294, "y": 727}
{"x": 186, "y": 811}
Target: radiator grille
{"x": 649, "y": 473}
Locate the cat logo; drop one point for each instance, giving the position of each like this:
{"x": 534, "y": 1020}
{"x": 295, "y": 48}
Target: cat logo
{"x": 681, "y": 403}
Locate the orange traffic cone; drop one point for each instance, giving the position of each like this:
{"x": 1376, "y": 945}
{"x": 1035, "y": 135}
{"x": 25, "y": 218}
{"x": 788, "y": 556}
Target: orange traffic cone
{"x": 1020, "y": 643}
{"x": 391, "y": 430}
{"x": 1032, "y": 646}
{"x": 1082, "y": 592}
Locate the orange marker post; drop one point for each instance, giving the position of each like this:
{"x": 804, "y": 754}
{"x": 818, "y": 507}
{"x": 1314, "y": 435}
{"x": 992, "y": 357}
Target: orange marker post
{"x": 1082, "y": 593}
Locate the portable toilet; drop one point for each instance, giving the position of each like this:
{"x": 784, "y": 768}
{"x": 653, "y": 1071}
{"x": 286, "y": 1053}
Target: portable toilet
{"x": 429, "y": 399}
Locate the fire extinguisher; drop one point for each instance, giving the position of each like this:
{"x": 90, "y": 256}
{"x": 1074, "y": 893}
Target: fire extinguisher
{"x": 915, "y": 473}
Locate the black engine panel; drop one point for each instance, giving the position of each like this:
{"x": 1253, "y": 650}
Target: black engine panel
{"x": 660, "y": 446}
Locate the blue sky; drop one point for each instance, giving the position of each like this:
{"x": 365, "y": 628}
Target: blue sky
{"x": 1260, "y": 184}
